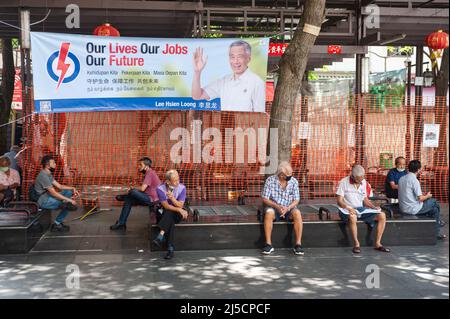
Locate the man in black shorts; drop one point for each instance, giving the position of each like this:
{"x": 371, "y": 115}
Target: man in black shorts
{"x": 280, "y": 197}
{"x": 353, "y": 200}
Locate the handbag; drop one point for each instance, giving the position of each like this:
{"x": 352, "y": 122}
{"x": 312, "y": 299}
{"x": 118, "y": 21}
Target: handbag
{"x": 32, "y": 194}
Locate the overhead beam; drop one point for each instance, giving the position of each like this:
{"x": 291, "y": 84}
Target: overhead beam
{"x": 424, "y": 4}
{"x": 415, "y": 12}
{"x": 346, "y": 49}
{"x": 404, "y": 21}
{"x": 371, "y": 38}
{"x": 365, "y": 3}
{"x": 108, "y": 4}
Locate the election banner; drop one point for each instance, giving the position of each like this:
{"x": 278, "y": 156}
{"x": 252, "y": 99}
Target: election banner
{"x": 80, "y": 73}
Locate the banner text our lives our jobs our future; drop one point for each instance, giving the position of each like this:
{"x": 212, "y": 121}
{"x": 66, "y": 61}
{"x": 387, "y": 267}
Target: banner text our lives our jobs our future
{"x": 121, "y": 55}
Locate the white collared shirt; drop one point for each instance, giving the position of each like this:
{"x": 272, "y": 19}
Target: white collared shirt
{"x": 245, "y": 94}
{"x": 354, "y": 196}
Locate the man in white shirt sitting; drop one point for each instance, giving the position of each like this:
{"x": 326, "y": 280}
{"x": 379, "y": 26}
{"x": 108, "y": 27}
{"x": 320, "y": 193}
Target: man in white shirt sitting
{"x": 242, "y": 90}
{"x": 353, "y": 200}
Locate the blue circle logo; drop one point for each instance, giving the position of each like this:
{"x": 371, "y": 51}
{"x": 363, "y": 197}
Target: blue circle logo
{"x": 63, "y": 66}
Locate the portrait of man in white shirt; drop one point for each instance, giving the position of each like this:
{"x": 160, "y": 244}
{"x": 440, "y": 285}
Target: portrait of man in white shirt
{"x": 242, "y": 90}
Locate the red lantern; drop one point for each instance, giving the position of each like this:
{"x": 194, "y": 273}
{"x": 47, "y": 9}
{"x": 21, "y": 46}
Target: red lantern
{"x": 437, "y": 41}
{"x": 106, "y": 30}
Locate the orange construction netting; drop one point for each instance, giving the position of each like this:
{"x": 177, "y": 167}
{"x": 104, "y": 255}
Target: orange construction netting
{"x": 98, "y": 152}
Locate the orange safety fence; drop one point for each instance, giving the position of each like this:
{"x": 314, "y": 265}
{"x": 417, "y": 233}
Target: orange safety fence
{"x": 97, "y": 152}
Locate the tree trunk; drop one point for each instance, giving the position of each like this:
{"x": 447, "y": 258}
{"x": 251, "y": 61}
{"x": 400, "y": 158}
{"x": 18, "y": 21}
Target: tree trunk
{"x": 440, "y": 156}
{"x": 6, "y": 91}
{"x": 292, "y": 68}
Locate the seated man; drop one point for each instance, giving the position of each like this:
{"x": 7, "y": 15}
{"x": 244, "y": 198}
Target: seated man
{"x": 392, "y": 178}
{"x": 9, "y": 181}
{"x": 142, "y": 195}
{"x": 280, "y": 197}
{"x": 172, "y": 195}
{"x": 353, "y": 200}
{"x": 49, "y": 198}
{"x": 413, "y": 202}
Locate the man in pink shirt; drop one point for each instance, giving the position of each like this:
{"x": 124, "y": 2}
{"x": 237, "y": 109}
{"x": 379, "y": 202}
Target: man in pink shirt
{"x": 142, "y": 195}
{"x": 9, "y": 180}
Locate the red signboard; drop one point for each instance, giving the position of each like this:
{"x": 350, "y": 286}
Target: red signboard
{"x": 334, "y": 49}
{"x": 277, "y": 49}
{"x": 17, "y": 95}
{"x": 270, "y": 91}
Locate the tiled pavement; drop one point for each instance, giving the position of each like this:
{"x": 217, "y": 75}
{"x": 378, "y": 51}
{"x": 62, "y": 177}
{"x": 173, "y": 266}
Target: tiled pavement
{"x": 120, "y": 265}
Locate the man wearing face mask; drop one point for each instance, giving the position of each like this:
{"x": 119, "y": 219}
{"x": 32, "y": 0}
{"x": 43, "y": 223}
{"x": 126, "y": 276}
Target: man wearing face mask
{"x": 9, "y": 181}
{"x": 392, "y": 178}
{"x": 281, "y": 196}
{"x": 49, "y": 198}
{"x": 145, "y": 194}
{"x": 354, "y": 205}
{"x": 172, "y": 195}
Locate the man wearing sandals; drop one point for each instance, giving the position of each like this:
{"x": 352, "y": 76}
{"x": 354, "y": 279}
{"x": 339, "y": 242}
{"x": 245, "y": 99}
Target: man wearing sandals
{"x": 353, "y": 200}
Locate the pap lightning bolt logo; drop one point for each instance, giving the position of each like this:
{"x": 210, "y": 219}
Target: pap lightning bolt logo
{"x": 62, "y": 66}
{"x": 64, "y": 61}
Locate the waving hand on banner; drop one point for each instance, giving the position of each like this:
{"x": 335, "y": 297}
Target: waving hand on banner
{"x": 199, "y": 63}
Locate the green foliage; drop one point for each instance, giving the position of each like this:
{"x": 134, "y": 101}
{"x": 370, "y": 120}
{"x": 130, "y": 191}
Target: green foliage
{"x": 400, "y": 51}
{"x": 312, "y": 76}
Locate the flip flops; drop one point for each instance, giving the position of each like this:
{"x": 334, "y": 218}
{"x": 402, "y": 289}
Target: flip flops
{"x": 383, "y": 249}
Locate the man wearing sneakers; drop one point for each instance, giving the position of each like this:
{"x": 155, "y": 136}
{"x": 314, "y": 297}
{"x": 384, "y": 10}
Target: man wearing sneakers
{"x": 49, "y": 198}
{"x": 280, "y": 197}
{"x": 172, "y": 195}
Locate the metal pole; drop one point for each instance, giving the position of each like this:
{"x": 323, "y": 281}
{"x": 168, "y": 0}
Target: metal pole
{"x": 25, "y": 75}
{"x": 408, "y": 115}
{"x": 303, "y": 173}
{"x": 13, "y": 126}
{"x": 418, "y": 110}
{"x": 358, "y": 104}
